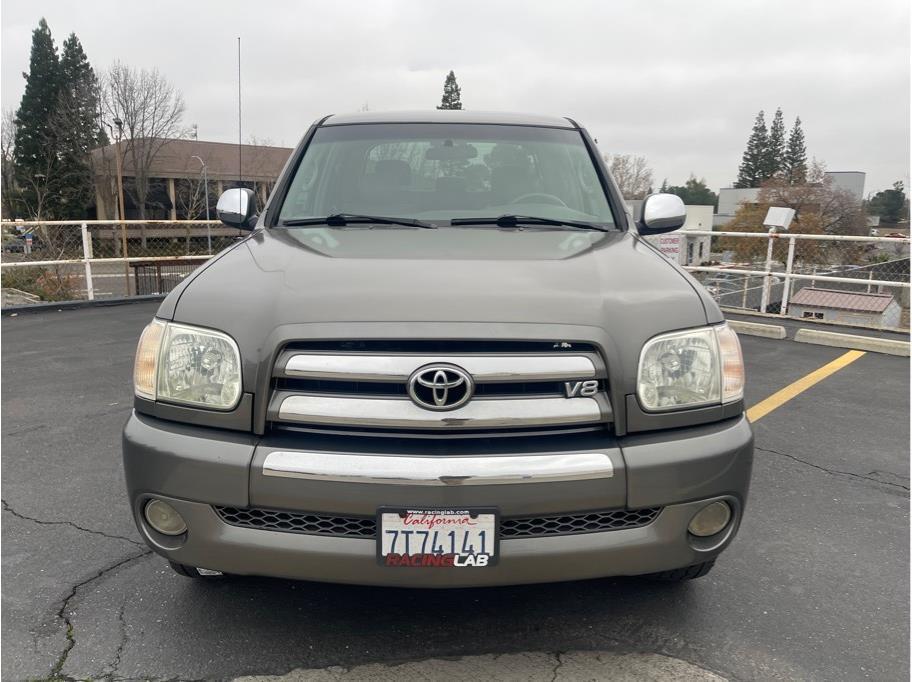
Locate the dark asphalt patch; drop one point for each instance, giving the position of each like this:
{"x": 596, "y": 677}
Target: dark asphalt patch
{"x": 854, "y": 421}
{"x": 816, "y": 585}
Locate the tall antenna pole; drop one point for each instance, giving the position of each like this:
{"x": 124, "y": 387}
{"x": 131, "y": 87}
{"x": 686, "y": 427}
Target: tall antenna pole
{"x": 240, "y": 172}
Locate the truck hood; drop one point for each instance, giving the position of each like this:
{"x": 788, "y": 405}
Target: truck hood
{"x": 406, "y": 275}
{"x": 612, "y": 281}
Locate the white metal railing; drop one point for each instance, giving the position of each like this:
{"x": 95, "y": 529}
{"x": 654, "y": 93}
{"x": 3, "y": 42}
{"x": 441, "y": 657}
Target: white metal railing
{"x": 78, "y": 248}
{"x": 799, "y": 237}
{"x": 790, "y": 275}
{"x": 120, "y": 234}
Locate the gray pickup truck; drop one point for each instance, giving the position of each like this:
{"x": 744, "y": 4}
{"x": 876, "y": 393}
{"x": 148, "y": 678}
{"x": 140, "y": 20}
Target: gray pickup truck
{"x": 444, "y": 356}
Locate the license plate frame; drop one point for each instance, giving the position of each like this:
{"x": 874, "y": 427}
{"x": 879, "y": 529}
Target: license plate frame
{"x": 459, "y": 562}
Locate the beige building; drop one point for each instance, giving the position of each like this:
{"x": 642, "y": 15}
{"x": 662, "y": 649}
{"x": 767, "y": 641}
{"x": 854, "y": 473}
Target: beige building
{"x": 679, "y": 246}
{"x": 175, "y": 175}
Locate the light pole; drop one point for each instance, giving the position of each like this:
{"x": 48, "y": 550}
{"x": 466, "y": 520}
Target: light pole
{"x": 777, "y": 219}
{"x": 120, "y": 192}
{"x": 206, "y": 184}
{"x": 121, "y": 213}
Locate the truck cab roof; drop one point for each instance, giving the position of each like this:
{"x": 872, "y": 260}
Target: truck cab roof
{"x": 449, "y": 116}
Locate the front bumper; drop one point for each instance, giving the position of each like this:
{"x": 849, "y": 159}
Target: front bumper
{"x": 681, "y": 470}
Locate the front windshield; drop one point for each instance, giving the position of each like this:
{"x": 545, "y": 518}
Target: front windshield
{"x": 441, "y": 172}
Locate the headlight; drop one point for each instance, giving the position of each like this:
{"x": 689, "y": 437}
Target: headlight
{"x": 691, "y": 368}
{"x": 188, "y": 365}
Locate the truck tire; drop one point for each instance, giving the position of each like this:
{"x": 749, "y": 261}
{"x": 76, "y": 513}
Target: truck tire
{"x": 681, "y": 574}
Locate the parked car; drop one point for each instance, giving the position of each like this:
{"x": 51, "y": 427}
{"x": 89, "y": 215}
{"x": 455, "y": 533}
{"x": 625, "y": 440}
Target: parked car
{"x": 726, "y": 281}
{"x": 12, "y": 242}
{"x": 404, "y": 378}
{"x": 14, "y": 245}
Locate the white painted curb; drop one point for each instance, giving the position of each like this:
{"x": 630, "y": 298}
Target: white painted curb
{"x": 768, "y": 331}
{"x": 868, "y": 343}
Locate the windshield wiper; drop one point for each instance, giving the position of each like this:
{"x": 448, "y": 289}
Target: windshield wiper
{"x": 522, "y": 220}
{"x": 343, "y": 219}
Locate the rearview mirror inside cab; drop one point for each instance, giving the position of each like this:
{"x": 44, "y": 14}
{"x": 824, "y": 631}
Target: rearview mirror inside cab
{"x": 450, "y": 151}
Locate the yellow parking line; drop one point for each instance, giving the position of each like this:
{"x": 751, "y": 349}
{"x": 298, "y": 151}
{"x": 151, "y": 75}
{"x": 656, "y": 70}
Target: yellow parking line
{"x": 779, "y": 398}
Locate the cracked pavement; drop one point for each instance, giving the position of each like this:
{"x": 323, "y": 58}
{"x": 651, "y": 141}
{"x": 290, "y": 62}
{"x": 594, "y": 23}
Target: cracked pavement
{"x": 815, "y": 586}
{"x": 527, "y": 666}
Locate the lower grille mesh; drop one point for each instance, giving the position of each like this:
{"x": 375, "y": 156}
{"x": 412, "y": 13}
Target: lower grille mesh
{"x": 572, "y": 524}
{"x": 366, "y": 527}
{"x": 297, "y": 522}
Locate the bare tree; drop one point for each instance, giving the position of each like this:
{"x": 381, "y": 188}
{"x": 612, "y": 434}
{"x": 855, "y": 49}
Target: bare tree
{"x": 8, "y": 167}
{"x": 257, "y": 163}
{"x": 631, "y": 173}
{"x": 103, "y": 161}
{"x": 820, "y": 208}
{"x": 52, "y": 242}
{"x": 151, "y": 111}
{"x": 103, "y": 164}
{"x": 256, "y": 157}
{"x": 42, "y": 183}
{"x": 55, "y": 243}
{"x": 190, "y": 198}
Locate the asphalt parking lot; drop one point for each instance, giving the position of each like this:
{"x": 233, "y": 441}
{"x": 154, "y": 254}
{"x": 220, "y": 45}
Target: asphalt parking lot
{"x": 815, "y": 587}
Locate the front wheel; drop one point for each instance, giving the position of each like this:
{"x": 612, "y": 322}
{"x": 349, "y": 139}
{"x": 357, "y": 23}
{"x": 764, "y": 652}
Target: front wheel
{"x": 681, "y": 574}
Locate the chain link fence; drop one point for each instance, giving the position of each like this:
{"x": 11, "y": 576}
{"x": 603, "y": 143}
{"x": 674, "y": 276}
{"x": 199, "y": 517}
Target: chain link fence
{"x": 851, "y": 280}
{"x": 89, "y": 260}
{"x": 860, "y": 281}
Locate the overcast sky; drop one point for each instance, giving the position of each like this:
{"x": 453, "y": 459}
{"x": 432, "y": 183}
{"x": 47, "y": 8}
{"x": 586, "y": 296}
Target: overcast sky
{"x": 678, "y": 82}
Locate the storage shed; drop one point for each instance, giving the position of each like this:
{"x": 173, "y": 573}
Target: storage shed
{"x": 848, "y": 307}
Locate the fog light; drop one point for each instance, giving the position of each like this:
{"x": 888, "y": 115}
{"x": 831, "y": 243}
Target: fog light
{"x": 164, "y": 518}
{"x": 710, "y": 520}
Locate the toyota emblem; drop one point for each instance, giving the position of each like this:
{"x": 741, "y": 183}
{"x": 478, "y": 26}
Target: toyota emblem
{"x": 440, "y": 387}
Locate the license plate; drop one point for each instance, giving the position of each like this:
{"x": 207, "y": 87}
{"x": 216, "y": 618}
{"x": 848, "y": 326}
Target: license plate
{"x": 437, "y": 538}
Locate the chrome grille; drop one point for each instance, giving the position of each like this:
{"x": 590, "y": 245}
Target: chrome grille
{"x": 363, "y": 385}
{"x": 366, "y": 527}
{"x": 398, "y": 389}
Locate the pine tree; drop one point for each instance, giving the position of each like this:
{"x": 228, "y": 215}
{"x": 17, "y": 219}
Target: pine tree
{"x": 774, "y": 159}
{"x": 694, "y": 192}
{"x": 795, "y": 159}
{"x": 36, "y": 165}
{"x": 750, "y": 174}
{"x": 889, "y": 204}
{"x": 77, "y": 127}
{"x": 451, "y": 93}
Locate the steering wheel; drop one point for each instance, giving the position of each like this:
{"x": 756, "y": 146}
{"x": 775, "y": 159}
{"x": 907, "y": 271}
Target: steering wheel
{"x": 549, "y": 199}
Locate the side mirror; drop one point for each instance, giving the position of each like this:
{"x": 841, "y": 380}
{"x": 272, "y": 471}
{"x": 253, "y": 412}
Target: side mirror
{"x": 661, "y": 213}
{"x": 236, "y": 207}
